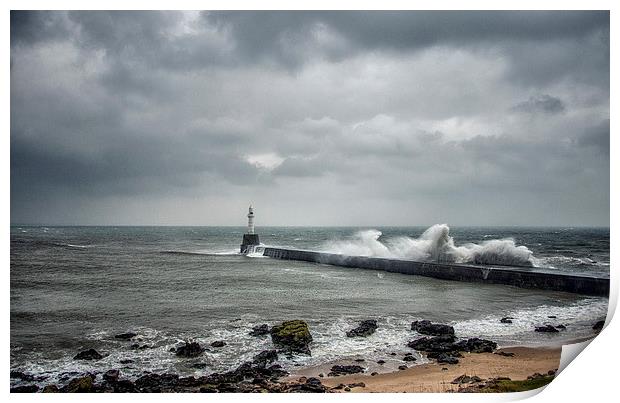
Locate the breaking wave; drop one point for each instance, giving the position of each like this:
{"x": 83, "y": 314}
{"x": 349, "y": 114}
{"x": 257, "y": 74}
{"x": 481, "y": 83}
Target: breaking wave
{"x": 435, "y": 245}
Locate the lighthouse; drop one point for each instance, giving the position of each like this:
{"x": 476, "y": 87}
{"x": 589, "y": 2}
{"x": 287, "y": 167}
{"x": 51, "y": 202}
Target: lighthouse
{"x": 250, "y": 239}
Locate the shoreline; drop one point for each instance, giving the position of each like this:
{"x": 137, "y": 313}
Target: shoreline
{"x": 435, "y": 377}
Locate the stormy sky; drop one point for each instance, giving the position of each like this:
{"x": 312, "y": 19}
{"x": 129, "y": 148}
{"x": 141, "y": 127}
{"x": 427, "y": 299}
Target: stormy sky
{"x": 318, "y": 118}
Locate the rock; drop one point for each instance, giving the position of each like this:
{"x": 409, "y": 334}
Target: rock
{"x": 321, "y": 375}
{"x": 561, "y": 327}
{"x": 402, "y": 367}
{"x": 260, "y": 330}
{"x": 546, "y": 329}
{"x": 552, "y": 317}
{"x": 435, "y": 355}
{"x": 199, "y": 365}
{"x": 265, "y": 357}
{"x": 25, "y": 389}
{"x": 112, "y": 375}
{"x": 155, "y": 383}
{"x": 409, "y": 358}
{"x": 126, "y": 336}
{"x": 338, "y": 370}
{"x": 218, "y": 343}
{"x": 461, "y": 379}
{"x": 360, "y": 360}
{"x": 437, "y": 343}
{"x": 293, "y": 336}
{"x": 364, "y": 329}
{"x": 125, "y": 386}
{"x": 22, "y": 375}
{"x": 189, "y": 349}
{"x": 476, "y": 345}
{"x": 506, "y": 319}
{"x": 431, "y": 329}
{"x": 374, "y": 374}
{"x": 505, "y": 353}
{"x": 127, "y": 361}
{"x": 90, "y": 354}
{"x": 380, "y": 362}
{"x": 357, "y": 385}
{"x": 50, "y": 389}
{"x": 347, "y": 389}
{"x": 392, "y": 353}
{"x": 598, "y": 326}
{"x": 79, "y": 385}
{"x": 447, "y": 359}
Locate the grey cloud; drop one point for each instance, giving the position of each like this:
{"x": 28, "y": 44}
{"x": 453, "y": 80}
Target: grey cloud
{"x": 541, "y": 104}
{"x": 426, "y": 112}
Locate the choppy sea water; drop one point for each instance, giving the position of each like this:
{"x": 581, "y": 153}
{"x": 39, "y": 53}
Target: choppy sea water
{"x": 74, "y": 288}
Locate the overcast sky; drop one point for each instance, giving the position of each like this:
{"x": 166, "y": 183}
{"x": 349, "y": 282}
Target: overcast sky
{"x": 318, "y": 118}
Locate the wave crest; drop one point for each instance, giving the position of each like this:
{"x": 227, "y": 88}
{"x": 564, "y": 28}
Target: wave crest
{"x": 435, "y": 245}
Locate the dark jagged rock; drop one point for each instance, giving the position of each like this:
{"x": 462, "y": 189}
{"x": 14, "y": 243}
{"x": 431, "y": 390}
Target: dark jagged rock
{"x": 310, "y": 385}
{"x": 360, "y": 360}
{"x": 431, "y": 329}
{"x": 437, "y": 343}
{"x": 292, "y": 336}
{"x": 364, "y": 329}
{"x": 127, "y": 361}
{"x": 112, "y": 375}
{"x": 189, "y": 349}
{"x": 338, "y": 370}
{"x": 25, "y": 389}
{"x": 154, "y": 383}
{"x": 199, "y": 365}
{"x": 380, "y": 362}
{"x": 552, "y": 317}
{"x": 507, "y": 319}
{"x": 260, "y": 330}
{"x": 265, "y": 357}
{"x": 374, "y": 374}
{"x": 546, "y": 329}
{"x": 598, "y": 326}
{"x": 561, "y": 327}
{"x": 444, "y": 358}
{"x": 218, "y": 343}
{"x": 82, "y": 384}
{"x": 126, "y": 336}
{"x": 90, "y": 354}
{"x": 409, "y": 358}
{"x": 466, "y": 379}
{"x": 436, "y": 355}
{"x": 50, "y": 389}
{"x": 402, "y": 367}
{"x": 125, "y": 386}
{"x": 505, "y": 353}
{"x": 22, "y": 375}
{"x": 476, "y": 345}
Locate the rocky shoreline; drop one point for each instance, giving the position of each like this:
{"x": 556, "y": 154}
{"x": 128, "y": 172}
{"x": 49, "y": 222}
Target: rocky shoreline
{"x": 262, "y": 374}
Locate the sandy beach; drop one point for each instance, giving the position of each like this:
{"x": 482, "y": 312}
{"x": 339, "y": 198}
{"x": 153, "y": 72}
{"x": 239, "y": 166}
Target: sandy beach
{"x": 433, "y": 377}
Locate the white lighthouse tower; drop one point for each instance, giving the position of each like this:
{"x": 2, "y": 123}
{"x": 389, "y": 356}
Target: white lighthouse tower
{"x": 250, "y": 239}
{"x": 251, "y": 220}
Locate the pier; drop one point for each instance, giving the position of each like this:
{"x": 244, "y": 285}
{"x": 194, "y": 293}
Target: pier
{"x": 524, "y": 277}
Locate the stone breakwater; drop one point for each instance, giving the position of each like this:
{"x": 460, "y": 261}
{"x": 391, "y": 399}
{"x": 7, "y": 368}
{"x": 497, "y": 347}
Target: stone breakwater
{"x": 524, "y": 277}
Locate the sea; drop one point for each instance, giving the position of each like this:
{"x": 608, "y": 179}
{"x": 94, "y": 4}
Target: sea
{"x": 74, "y": 288}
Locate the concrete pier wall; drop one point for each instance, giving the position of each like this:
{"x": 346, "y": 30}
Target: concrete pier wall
{"x": 524, "y": 277}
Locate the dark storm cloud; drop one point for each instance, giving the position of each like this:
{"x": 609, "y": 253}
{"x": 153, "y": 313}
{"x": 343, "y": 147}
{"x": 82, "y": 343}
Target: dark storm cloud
{"x": 130, "y": 117}
{"x": 541, "y": 104}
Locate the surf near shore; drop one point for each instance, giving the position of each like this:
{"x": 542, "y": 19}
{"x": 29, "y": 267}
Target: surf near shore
{"x": 445, "y": 363}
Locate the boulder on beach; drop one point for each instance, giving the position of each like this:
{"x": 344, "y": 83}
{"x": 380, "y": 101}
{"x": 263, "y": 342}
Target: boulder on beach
{"x": 598, "y": 326}
{"x": 476, "y": 345}
{"x": 218, "y": 343}
{"x": 444, "y": 358}
{"x": 265, "y": 357}
{"x": 437, "y": 343}
{"x": 260, "y": 330}
{"x": 82, "y": 384}
{"x": 338, "y": 370}
{"x": 111, "y": 375}
{"x": 506, "y": 319}
{"x": 365, "y": 328}
{"x": 189, "y": 349}
{"x": 25, "y": 389}
{"x": 293, "y": 336}
{"x": 546, "y": 329}
{"x": 431, "y": 329}
{"x": 90, "y": 354}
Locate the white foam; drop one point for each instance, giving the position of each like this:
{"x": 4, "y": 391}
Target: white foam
{"x": 435, "y": 244}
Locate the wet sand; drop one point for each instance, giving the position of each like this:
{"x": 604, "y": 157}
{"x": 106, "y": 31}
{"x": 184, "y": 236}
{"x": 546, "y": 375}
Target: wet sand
{"x": 433, "y": 377}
